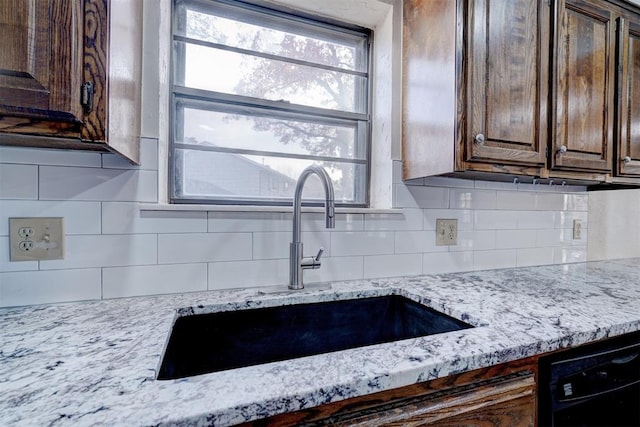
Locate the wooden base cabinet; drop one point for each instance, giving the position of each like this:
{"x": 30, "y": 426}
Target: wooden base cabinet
{"x": 499, "y": 395}
{"x": 70, "y": 74}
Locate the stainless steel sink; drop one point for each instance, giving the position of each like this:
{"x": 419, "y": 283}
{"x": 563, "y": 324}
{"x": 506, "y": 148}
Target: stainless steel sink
{"x": 214, "y": 342}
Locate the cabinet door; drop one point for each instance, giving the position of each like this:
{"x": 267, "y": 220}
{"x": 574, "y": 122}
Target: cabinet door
{"x": 40, "y": 64}
{"x": 508, "y": 60}
{"x": 629, "y": 114}
{"x": 584, "y": 86}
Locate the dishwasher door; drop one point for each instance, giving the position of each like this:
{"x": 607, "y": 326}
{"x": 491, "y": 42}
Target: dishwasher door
{"x": 593, "y": 385}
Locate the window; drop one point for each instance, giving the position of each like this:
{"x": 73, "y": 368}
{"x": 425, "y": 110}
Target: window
{"x": 258, "y": 95}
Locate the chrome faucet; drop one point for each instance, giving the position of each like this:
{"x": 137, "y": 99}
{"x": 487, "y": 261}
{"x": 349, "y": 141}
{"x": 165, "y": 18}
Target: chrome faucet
{"x": 297, "y": 261}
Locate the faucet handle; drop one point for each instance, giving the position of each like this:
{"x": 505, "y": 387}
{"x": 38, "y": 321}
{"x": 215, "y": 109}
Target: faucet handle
{"x": 312, "y": 262}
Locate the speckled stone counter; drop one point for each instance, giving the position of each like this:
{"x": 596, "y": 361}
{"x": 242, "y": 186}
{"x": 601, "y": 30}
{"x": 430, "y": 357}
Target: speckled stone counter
{"x": 95, "y": 363}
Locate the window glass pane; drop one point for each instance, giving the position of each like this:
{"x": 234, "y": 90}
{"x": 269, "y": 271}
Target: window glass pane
{"x": 204, "y": 174}
{"x": 258, "y": 95}
{"x": 233, "y": 73}
{"x": 266, "y": 35}
{"x": 269, "y": 134}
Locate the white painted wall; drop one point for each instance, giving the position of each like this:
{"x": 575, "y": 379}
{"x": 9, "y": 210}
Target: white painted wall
{"x": 614, "y": 218}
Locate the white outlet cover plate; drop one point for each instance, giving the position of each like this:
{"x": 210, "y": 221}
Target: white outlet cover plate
{"x": 46, "y": 242}
{"x": 446, "y": 232}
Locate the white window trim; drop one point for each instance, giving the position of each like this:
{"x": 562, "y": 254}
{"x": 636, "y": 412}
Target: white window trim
{"x": 383, "y": 16}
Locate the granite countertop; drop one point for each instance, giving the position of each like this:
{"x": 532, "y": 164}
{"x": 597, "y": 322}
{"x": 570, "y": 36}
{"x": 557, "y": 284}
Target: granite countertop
{"x": 95, "y": 363}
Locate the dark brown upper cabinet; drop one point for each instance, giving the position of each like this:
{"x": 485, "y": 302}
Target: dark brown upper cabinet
{"x": 507, "y": 58}
{"x": 628, "y": 136}
{"x": 521, "y": 88}
{"x": 36, "y": 80}
{"x": 61, "y": 86}
{"x": 475, "y": 86}
{"x": 584, "y": 88}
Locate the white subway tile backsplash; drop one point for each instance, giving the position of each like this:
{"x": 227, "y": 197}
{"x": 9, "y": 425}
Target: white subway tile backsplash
{"x": 249, "y": 221}
{"x": 39, "y": 156}
{"x": 514, "y": 200}
{"x": 513, "y": 239}
{"x": 362, "y": 243}
{"x": 578, "y": 202}
{"x": 193, "y": 247}
{"x": 472, "y": 199}
{"x": 534, "y": 256}
{"x": 408, "y": 219}
{"x": 409, "y": 242}
{"x": 280, "y": 221}
{"x": 336, "y": 268}
{"x": 6, "y": 265}
{"x": 276, "y": 245}
{"x": 564, "y": 255}
{"x": 475, "y": 240}
{"x": 106, "y": 251}
{"x": 120, "y": 282}
{"x": 465, "y": 218}
{"x": 565, "y": 219}
{"x": 79, "y": 217}
{"x": 127, "y": 218}
{"x": 18, "y": 181}
{"x": 243, "y": 274}
{"x": 392, "y": 265}
{"x": 535, "y": 220}
{"x": 485, "y": 260}
{"x": 415, "y": 196}
{"x": 551, "y": 201}
{"x": 148, "y": 157}
{"x": 494, "y": 220}
{"x": 554, "y": 237}
{"x": 65, "y": 183}
{"x": 46, "y": 287}
{"x": 446, "y": 262}
{"x": 114, "y": 249}
{"x": 343, "y": 222}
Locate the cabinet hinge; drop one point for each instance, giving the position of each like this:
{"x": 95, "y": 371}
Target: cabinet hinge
{"x": 86, "y": 97}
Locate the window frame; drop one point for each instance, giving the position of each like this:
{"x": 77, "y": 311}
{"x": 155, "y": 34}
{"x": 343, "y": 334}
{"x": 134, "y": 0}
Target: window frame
{"x": 216, "y": 101}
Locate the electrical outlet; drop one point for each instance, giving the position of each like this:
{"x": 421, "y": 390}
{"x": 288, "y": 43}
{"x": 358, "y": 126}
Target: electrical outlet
{"x": 577, "y": 229}
{"x": 446, "y": 232}
{"x": 33, "y": 239}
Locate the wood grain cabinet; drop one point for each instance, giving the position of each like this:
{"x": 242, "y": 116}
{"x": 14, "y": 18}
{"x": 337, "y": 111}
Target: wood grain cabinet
{"x": 507, "y": 75}
{"x": 584, "y": 86}
{"x": 495, "y": 396}
{"x": 475, "y": 86}
{"x": 627, "y": 160}
{"x": 505, "y": 88}
{"x": 70, "y": 74}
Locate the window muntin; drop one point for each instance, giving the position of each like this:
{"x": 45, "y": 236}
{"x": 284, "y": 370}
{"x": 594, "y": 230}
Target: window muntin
{"x": 258, "y": 95}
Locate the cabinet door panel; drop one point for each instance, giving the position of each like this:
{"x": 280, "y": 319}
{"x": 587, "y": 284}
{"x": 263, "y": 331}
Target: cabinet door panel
{"x": 40, "y": 66}
{"x": 508, "y": 78}
{"x": 584, "y": 91}
{"x": 629, "y": 116}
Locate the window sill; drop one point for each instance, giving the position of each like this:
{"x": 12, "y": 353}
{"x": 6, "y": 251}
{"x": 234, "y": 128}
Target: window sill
{"x": 274, "y": 209}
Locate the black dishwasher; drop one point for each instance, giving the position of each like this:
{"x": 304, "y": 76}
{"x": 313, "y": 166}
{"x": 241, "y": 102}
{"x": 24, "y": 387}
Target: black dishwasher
{"x": 592, "y": 385}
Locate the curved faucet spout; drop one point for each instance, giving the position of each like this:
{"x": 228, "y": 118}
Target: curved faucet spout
{"x": 297, "y": 262}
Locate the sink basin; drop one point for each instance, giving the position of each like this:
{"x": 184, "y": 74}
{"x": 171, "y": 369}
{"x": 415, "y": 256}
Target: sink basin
{"x": 214, "y": 342}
